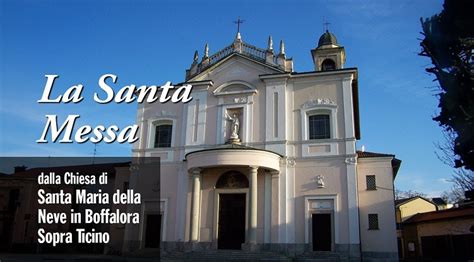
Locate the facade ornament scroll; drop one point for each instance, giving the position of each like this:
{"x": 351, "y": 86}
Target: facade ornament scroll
{"x": 291, "y": 162}
{"x": 351, "y": 161}
{"x": 133, "y": 168}
{"x": 195, "y": 172}
{"x": 275, "y": 173}
{"x": 238, "y": 100}
{"x": 317, "y": 102}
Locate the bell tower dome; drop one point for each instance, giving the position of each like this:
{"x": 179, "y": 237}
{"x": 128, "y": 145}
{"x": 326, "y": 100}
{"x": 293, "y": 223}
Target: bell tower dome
{"x": 328, "y": 55}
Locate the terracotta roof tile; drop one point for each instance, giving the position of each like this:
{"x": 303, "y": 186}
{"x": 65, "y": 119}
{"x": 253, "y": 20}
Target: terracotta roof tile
{"x": 396, "y": 163}
{"x": 365, "y": 154}
{"x": 402, "y": 201}
{"x": 442, "y": 214}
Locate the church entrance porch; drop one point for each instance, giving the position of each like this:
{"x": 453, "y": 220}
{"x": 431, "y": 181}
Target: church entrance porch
{"x": 231, "y": 221}
{"x": 231, "y": 224}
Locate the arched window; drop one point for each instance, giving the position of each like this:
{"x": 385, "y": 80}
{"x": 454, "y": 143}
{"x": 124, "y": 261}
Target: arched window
{"x": 163, "y": 133}
{"x": 232, "y": 179}
{"x": 319, "y": 126}
{"x": 328, "y": 64}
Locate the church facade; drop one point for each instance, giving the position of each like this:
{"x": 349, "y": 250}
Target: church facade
{"x": 264, "y": 158}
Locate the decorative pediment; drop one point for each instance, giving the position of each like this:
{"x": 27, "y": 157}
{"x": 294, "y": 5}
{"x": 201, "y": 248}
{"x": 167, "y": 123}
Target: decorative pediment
{"x": 235, "y": 87}
{"x": 318, "y": 102}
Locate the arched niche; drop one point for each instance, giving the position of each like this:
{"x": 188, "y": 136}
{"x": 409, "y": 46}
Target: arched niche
{"x": 232, "y": 179}
{"x": 235, "y": 87}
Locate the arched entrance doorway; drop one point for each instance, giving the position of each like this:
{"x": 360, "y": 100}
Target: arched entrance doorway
{"x": 231, "y": 216}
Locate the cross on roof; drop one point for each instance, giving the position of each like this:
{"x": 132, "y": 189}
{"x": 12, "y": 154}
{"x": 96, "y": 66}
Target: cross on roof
{"x": 238, "y": 22}
{"x": 326, "y": 25}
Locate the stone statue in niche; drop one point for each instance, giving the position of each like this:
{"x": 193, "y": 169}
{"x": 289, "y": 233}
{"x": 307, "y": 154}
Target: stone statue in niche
{"x": 320, "y": 181}
{"x": 234, "y": 127}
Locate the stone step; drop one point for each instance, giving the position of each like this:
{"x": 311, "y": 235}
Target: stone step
{"x": 318, "y": 259}
{"x": 224, "y": 255}
{"x": 320, "y": 256}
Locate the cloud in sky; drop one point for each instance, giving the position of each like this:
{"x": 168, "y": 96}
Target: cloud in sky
{"x": 431, "y": 186}
{"x": 445, "y": 180}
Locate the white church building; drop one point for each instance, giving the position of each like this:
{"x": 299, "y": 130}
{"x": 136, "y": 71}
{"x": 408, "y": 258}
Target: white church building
{"x": 264, "y": 158}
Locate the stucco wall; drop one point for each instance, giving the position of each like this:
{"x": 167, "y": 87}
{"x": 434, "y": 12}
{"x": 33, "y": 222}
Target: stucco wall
{"x": 329, "y": 87}
{"x": 457, "y": 226}
{"x": 169, "y": 191}
{"x": 334, "y": 172}
{"x": 379, "y": 201}
{"x": 414, "y": 207}
{"x": 295, "y": 92}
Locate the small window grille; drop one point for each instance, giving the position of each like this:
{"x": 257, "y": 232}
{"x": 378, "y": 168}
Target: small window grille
{"x": 373, "y": 221}
{"x": 371, "y": 185}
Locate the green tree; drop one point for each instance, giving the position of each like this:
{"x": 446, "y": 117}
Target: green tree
{"x": 449, "y": 41}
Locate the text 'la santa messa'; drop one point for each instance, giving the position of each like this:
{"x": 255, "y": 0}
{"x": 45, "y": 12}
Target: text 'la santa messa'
{"x": 126, "y": 94}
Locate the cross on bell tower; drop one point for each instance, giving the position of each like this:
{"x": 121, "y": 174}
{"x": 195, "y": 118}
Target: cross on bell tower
{"x": 325, "y": 25}
{"x": 328, "y": 54}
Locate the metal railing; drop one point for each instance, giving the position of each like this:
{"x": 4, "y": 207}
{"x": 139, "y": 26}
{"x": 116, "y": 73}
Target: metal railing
{"x": 254, "y": 52}
{"x": 221, "y": 54}
{"x": 245, "y": 49}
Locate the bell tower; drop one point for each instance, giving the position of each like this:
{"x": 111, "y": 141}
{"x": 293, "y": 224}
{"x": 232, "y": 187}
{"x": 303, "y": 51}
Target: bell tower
{"x": 328, "y": 55}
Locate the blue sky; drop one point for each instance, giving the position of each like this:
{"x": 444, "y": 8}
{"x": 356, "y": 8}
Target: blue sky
{"x": 151, "y": 42}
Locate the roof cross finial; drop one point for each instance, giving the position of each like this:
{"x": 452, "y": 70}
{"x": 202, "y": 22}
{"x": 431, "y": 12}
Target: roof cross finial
{"x": 282, "y": 47}
{"x": 238, "y": 22}
{"x": 326, "y": 24}
{"x": 196, "y": 56}
{"x": 206, "y": 51}
{"x": 270, "y": 43}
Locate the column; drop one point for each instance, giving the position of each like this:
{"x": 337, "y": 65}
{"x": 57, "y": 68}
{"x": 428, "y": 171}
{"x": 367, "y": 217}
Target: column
{"x": 252, "y": 230}
{"x": 267, "y": 208}
{"x": 195, "y": 205}
{"x": 275, "y": 208}
{"x": 353, "y": 212}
